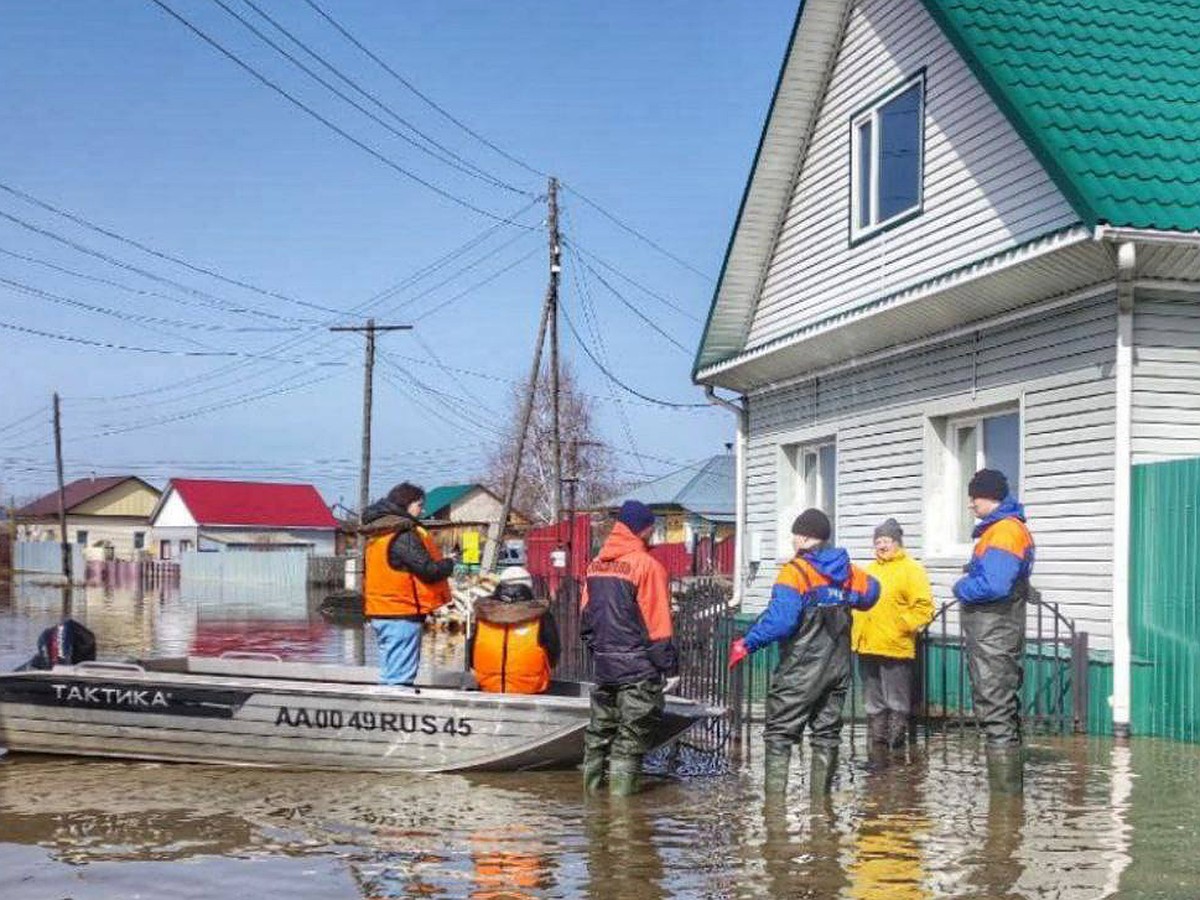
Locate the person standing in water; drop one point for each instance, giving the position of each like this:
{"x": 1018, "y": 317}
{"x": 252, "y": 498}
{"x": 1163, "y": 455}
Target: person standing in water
{"x": 809, "y": 617}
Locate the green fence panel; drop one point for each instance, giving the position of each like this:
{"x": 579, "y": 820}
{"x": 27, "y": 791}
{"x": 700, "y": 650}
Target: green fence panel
{"x": 1164, "y": 610}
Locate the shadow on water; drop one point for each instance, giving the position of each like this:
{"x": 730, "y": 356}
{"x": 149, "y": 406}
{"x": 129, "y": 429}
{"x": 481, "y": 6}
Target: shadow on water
{"x": 1097, "y": 820}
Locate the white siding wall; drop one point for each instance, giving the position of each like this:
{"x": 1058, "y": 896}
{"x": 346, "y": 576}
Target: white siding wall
{"x": 1057, "y": 366}
{"x": 1166, "y": 376}
{"x": 983, "y": 190}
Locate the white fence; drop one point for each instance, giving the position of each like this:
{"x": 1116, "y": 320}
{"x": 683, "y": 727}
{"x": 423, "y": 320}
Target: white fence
{"x": 280, "y": 569}
{"x": 45, "y": 557}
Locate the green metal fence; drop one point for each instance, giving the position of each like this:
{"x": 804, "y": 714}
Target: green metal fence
{"x": 1164, "y": 599}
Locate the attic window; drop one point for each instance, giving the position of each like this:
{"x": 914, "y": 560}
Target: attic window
{"x": 886, "y": 142}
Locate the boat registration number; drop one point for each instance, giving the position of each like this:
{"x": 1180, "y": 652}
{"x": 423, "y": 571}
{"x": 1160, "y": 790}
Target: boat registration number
{"x": 367, "y": 720}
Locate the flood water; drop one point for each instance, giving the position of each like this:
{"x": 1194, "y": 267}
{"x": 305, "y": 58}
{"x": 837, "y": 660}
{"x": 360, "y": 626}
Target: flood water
{"x": 1097, "y": 820}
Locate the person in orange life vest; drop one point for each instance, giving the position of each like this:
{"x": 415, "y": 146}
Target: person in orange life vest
{"x": 993, "y": 593}
{"x": 405, "y": 579}
{"x": 809, "y": 617}
{"x": 626, "y": 626}
{"x": 515, "y": 643}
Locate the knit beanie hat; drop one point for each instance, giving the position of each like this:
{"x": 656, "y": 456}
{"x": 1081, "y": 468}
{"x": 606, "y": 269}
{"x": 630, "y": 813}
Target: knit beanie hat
{"x": 812, "y": 523}
{"x": 989, "y": 484}
{"x": 403, "y": 494}
{"x": 516, "y": 575}
{"x": 890, "y": 528}
{"x": 635, "y": 516}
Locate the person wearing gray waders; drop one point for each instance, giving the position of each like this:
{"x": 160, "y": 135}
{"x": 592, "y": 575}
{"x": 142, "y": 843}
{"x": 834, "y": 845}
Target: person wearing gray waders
{"x": 993, "y": 593}
{"x": 809, "y": 617}
{"x": 626, "y": 626}
{"x": 885, "y": 639}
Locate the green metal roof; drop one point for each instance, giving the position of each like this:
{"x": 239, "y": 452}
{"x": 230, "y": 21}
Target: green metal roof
{"x": 1105, "y": 92}
{"x": 441, "y": 497}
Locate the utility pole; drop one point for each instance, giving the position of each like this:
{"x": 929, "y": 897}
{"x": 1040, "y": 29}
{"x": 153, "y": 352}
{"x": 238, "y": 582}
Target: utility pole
{"x": 364, "y": 473}
{"x": 556, "y": 497}
{"x": 62, "y": 494}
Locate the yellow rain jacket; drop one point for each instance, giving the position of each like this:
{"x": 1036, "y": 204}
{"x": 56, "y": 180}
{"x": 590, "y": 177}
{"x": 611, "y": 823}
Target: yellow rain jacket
{"x": 905, "y": 606}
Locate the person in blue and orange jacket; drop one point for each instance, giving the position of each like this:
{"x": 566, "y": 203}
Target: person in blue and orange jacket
{"x": 626, "y": 613}
{"x": 809, "y": 616}
{"x": 993, "y": 593}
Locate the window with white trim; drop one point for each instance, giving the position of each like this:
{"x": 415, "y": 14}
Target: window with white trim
{"x": 808, "y": 479}
{"x": 886, "y": 146}
{"x": 966, "y": 443}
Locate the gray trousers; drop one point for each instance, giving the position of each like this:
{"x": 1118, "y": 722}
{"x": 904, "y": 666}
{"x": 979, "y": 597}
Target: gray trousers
{"x": 887, "y": 684}
{"x": 994, "y": 637}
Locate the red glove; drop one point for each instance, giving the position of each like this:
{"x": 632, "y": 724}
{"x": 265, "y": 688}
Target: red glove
{"x": 737, "y": 652}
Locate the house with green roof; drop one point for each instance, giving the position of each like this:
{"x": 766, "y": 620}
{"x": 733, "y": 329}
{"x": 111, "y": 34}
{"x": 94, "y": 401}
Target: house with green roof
{"x": 459, "y": 515}
{"x": 970, "y": 236}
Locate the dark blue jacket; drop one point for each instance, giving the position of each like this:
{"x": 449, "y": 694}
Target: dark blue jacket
{"x": 1003, "y": 557}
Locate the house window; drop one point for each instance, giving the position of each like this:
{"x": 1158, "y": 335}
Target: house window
{"x": 81, "y": 538}
{"x": 139, "y": 540}
{"x": 886, "y": 142}
{"x": 808, "y": 479}
{"x": 988, "y": 440}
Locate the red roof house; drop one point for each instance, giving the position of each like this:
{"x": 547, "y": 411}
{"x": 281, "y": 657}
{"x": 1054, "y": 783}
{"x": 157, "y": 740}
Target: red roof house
{"x": 206, "y": 514}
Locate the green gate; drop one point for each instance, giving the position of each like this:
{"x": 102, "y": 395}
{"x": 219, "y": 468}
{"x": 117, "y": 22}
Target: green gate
{"x": 1164, "y": 599}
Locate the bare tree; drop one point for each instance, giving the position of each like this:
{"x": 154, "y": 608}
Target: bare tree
{"x": 585, "y": 456}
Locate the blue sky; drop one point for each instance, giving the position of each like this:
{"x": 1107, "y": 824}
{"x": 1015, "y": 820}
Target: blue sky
{"x": 117, "y": 113}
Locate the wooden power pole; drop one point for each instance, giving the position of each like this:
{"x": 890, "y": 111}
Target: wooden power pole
{"x": 549, "y": 320}
{"x": 62, "y": 494}
{"x": 364, "y": 473}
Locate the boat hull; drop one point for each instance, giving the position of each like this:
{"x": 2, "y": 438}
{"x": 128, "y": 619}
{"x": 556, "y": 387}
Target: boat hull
{"x": 251, "y": 718}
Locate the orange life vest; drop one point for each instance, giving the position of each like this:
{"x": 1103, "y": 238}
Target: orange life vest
{"x": 509, "y": 660}
{"x": 389, "y": 592}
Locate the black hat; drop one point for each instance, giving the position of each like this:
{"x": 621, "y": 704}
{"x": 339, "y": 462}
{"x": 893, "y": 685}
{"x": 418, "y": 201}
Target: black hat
{"x": 403, "y": 494}
{"x": 989, "y": 484}
{"x": 890, "y": 528}
{"x": 812, "y": 523}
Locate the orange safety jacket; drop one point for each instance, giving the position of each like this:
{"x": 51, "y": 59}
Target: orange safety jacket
{"x": 392, "y": 593}
{"x": 508, "y": 659}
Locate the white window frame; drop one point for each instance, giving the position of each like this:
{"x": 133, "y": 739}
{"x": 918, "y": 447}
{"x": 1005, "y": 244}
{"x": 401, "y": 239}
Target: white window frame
{"x": 871, "y": 114}
{"x": 797, "y": 492}
{"x": 944, "y": 500}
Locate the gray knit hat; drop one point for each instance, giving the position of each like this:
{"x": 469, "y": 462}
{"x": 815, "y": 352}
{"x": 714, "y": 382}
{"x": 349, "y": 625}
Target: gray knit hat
{"x": 890, "y": 528}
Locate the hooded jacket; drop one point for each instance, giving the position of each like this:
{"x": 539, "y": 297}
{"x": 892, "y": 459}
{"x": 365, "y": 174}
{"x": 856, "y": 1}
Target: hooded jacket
{"x": 626, "y": 612}
{"x": 1003, "y": 559}
{"x": 515, "y": 645}
{"x": 411, "y": 552}
{"x": 819, "y": 586}
{"x": 905, "y": 607}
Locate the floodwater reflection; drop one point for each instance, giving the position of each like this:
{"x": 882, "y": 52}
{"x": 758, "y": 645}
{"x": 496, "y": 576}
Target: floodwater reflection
{"x": 1097, "y": 820}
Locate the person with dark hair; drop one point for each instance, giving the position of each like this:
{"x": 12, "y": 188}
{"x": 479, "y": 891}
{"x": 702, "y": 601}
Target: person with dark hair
{"x": 626, "y": 613}
{"x": 885, "y": 637}
{"x": 809, "y": 617}
{"x": 405, "y": 579}
{"x": 993, "y": 592}
{"x": 514, "y": 647}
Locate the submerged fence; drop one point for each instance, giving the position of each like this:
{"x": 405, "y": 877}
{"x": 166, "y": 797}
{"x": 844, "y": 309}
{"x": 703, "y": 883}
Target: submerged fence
{"x": 1054, "y": 695}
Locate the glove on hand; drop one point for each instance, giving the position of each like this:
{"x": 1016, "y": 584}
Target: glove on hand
{"x": 737, "y": 652}
{"x": 671, "y": 684}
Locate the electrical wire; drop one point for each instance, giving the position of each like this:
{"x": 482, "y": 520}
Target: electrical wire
{"x": 670, "y": 304}
{"x": 633, "y": 309}
{"x": 258, "y": 76}
{"x": 456, "y": 161}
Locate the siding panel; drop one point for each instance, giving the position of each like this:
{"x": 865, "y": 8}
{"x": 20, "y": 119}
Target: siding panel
{"x": 1166, "y": 377}
{"x": 983, "y": 190}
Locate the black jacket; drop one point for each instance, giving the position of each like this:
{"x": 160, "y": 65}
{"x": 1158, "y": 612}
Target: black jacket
{"x": 407, "y": 552}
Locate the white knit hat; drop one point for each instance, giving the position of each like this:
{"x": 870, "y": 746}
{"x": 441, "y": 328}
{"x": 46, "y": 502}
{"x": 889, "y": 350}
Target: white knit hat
{"x": 516, "y": 575}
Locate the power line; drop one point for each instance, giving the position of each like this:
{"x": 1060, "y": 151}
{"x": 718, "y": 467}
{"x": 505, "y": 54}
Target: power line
{"x": 587, "y": 350}
{"x": 670, "y": 304}
{"x": 258, "y": 76}
{"x": 631, "y": 307}
{"x": 426, "y": 99}
{"x": 456, "y": 161}
{"x": 161, "y": 254}
{"x": 486, "y": 281}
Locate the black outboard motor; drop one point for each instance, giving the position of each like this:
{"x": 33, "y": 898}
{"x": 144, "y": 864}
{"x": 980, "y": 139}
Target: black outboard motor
{"x": 67, "y": 643}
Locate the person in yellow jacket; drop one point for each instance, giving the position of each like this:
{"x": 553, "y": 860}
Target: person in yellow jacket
{"x": 885, "y": 636}
{"x": 515, "y": 645}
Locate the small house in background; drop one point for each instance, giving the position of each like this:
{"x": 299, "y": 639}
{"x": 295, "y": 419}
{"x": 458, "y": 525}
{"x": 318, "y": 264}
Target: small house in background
{"x": 456, "y": 512}
{"x": 695, "y": 506}
{"x": 113, "y": 511}
{"x": 214, "y": 516}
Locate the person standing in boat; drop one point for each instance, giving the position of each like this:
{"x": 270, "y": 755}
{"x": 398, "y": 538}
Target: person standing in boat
{"x": 515, "y": 644}
{"x": 809, "y": 617}
{"x": 405, "y": 579}
{"x": 626, "y": 612}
